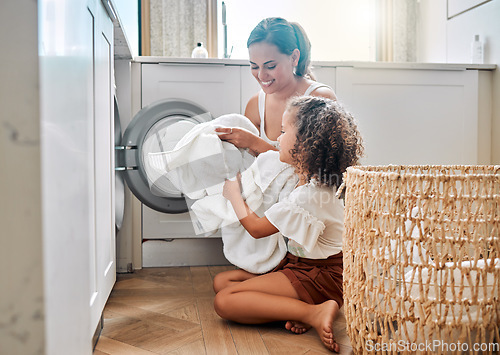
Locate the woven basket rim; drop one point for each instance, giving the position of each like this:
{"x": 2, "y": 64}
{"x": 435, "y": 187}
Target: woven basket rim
{"x": 491, "y": 171}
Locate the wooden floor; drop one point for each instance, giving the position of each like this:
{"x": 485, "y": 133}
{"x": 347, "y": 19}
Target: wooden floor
{"x": 170, "y": 311}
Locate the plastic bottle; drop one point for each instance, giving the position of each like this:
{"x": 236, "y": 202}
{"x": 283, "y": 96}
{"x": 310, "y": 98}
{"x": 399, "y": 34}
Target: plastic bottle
{"x": 199, "y": 51}
{"x": 477, "y": 51}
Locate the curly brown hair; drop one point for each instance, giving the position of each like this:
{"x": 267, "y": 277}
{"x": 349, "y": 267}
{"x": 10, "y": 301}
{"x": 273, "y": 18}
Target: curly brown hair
{"x": 328, "y": 140}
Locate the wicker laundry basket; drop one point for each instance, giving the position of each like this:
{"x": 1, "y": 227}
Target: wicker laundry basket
{"x": 422, "y": 259}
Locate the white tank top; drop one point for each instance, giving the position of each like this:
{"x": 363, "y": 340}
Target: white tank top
{"x": 262, "y": 109}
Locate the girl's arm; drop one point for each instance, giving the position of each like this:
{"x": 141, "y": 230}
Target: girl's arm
{"x": 257, "y": 227}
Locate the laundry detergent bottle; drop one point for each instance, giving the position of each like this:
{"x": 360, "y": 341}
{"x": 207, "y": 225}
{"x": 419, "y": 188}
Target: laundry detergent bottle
{"x": 477, "y": 51}
{"x": 199, "y": 51}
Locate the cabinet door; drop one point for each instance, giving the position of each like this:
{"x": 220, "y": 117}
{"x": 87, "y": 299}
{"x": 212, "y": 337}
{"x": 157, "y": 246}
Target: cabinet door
{"x": 413, "y": 116}
{"x": 215, "y": 87}
{"x": 325, "y": 75}
{"x": 249, "y": 86}
{"x": 75, "y": 40}
{"x": 102, "y": 263}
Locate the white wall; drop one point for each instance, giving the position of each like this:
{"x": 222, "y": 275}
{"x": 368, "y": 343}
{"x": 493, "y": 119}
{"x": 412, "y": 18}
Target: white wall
{"x": 431, "y": 34}
{"x": 484, "y": 21}
{"x": 338, "y": 29}
{"x": 449, "y": 41}
{"x": 21, "y": 278}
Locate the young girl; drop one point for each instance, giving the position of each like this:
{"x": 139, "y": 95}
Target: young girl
{"x": 320, "y": 139}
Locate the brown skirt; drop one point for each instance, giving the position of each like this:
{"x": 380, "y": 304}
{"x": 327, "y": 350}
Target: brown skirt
{"x": 315, "y": 280}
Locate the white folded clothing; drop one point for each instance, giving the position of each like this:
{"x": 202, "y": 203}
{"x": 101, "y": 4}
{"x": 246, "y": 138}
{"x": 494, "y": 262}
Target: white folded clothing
{"x": 264, "y": 183}
{"x": 257, "y": 256}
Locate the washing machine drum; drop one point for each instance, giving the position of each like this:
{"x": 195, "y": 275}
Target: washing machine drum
{"x": 157, "y": 128}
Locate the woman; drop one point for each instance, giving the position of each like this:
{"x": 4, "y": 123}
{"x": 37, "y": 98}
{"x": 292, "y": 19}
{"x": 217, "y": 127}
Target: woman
{"x": 279, "y": 53}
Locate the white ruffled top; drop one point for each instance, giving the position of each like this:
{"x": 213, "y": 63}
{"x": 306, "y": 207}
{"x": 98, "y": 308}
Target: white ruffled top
{"x": 312, "y": 218}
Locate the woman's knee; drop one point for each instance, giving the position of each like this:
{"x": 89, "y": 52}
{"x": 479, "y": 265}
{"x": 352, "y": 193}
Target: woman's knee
{"x": 227, "y": 278}
{"x": 220, "y": 282}
{"x": 221, "y": 304}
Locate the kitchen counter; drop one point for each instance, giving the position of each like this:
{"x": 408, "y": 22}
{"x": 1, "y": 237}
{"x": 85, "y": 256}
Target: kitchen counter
{"x": 351, "y": 64}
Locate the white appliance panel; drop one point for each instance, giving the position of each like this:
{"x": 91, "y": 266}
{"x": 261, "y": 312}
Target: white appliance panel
{"x": 157, "y": 225}
{"x": 214, "y": 87}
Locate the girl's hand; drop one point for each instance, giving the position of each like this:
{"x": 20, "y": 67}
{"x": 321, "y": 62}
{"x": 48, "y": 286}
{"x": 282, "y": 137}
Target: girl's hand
{"x": 232, "y": 188}
{"x": 239, "y": 137}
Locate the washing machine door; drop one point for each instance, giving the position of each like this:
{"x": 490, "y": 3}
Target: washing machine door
{"x": 157, "y": 128}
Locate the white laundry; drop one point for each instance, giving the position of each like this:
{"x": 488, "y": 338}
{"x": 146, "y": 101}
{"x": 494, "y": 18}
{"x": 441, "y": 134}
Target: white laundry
{"x": 198, "y": 166}
{"x": 200, "y": 161}
{"x": 264, "y": 183}
{"x": 450, "y": 285}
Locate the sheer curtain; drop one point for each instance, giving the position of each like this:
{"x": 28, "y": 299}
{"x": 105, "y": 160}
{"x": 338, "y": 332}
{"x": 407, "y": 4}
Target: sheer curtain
{"x": 396, "y": 30}
{"x": 176, "y": 26}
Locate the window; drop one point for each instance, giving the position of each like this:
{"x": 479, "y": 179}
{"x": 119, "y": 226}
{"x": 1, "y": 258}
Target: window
{"x": 338, "y": 29}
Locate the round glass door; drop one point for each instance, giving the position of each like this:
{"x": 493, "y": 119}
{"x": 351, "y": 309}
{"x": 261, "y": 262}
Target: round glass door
{"x": 154, "y": 129}
{"x": 162, "y": 137}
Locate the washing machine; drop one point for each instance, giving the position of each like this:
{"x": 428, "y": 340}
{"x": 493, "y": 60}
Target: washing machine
{"x": 170, "y": 98}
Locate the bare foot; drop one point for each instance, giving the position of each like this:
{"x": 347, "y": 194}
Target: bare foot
{"x": 297, "y": 327}
{"x": 322, "y": 320}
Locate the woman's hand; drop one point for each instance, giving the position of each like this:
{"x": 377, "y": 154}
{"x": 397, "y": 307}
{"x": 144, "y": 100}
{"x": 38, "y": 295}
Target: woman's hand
{"x": 239, "y": 137}
{"x": 232, "y": 188}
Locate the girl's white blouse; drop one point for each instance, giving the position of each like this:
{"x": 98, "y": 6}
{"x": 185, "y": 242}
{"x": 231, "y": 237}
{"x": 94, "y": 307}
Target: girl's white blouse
{"x": 312, "y": 218}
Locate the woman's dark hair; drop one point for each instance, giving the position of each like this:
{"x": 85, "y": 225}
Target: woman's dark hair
{"x": 328, "y": 140}
{"x": 287, "y": 36}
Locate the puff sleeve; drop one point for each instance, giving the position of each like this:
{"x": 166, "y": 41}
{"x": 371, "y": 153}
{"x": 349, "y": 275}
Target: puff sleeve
{"x": 293, "y": 218}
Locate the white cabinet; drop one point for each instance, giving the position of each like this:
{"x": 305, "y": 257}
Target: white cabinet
{"x": 76, "y": 74}
{"x": 249, "y": 86}
{"x": 440, "y": 115}
{"x": 416, "y": 116}
{"x": 102, "y": 240}
{"x": 325, "y": 74}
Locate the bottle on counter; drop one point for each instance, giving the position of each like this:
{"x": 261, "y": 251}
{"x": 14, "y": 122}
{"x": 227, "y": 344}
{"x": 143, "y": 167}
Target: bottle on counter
{"x": 477, "y": 55}
{"x": 199, "y": 51}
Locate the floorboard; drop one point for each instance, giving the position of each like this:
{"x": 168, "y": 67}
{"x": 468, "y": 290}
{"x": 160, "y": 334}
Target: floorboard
{"x": 170, "y": 311}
